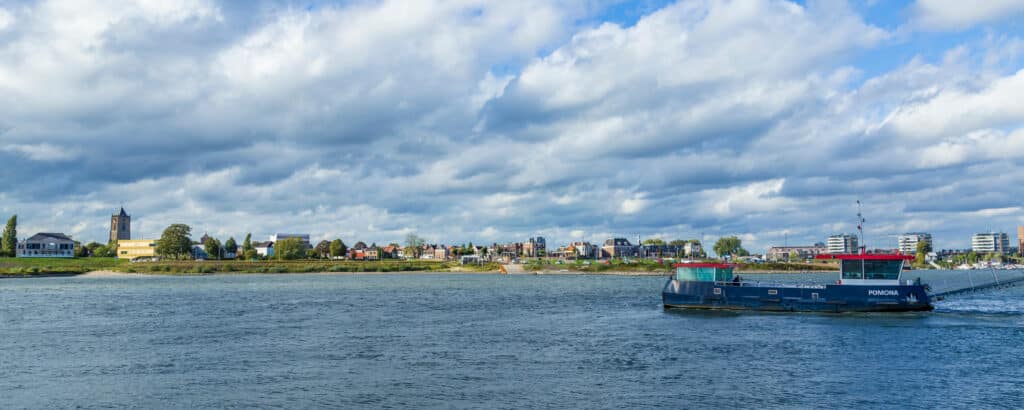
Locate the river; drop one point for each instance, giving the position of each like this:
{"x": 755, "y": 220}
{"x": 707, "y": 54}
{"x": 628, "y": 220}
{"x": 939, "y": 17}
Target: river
{"x": 491, "y": 341}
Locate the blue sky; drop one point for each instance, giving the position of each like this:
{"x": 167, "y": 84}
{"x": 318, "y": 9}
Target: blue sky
{"x": 486, "y": 121}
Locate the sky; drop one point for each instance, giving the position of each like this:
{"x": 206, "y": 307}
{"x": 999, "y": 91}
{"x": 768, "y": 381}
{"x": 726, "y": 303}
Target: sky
{"x": 495, "y": 121}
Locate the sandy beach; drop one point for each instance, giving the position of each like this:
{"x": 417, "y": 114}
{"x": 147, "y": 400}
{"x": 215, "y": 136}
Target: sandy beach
{"x": 109, "y": 274}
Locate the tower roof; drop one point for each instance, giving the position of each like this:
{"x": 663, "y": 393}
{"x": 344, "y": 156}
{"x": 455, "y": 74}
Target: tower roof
{"x": 122, "y": 213}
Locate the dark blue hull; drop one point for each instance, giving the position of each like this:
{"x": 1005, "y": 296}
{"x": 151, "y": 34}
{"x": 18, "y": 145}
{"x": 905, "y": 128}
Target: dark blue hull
{"x": 827, "y": 298}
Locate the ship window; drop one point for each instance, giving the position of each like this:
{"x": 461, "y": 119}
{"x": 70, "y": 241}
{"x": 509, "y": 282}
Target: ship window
{"x": 723, "y": 275}
{"x": 701, "y": 274}
{"x": 853, "y": 269}
{"x": 888, "y": 270}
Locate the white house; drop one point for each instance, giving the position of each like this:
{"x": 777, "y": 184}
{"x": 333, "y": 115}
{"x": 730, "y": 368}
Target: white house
{"x": 264, "y": 248}
{"x": 47, "y": 245}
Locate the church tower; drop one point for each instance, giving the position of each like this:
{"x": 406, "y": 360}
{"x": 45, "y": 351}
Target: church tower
{"x": 120, "y": 226}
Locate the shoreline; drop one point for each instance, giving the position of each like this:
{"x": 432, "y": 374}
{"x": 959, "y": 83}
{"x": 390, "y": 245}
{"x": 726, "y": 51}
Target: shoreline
{"x": 117, "y": 274}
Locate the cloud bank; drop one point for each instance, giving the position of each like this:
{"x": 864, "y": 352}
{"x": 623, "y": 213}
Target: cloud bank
{"x": 495, "y": 121}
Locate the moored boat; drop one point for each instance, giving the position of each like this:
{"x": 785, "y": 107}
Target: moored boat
{"x": 867, "y": 283}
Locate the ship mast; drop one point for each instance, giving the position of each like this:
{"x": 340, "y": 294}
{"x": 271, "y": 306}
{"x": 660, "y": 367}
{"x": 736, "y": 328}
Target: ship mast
{"x": 860, "y": 229}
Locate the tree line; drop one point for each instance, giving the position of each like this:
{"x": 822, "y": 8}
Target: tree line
{"x": 176, "y": 243}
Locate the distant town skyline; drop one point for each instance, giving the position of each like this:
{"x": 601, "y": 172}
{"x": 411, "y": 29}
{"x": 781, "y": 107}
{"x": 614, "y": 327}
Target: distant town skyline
{"x": 498, "y": 121}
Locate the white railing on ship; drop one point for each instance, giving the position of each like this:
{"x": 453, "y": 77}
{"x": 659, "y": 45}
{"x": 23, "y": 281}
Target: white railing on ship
{"x": 772, "y": 284}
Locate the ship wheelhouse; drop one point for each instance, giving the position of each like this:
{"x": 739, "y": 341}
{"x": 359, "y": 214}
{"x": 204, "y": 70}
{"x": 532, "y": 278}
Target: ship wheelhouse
{"x": 703, "y": 272}
{"x": 869, "y": 269}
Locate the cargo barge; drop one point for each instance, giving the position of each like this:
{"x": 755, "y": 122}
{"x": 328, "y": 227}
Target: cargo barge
{"x": 866, "y": 283}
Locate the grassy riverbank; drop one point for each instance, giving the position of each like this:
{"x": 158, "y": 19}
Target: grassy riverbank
{"x": 37, "y": 266}
{"x": 299, "y": 266}
{"x": 49, "y": 266}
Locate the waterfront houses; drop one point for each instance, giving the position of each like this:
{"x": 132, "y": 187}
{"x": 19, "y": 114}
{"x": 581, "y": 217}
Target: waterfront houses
{"x": 799, "y": 252}
{"x": 46, "y": 245}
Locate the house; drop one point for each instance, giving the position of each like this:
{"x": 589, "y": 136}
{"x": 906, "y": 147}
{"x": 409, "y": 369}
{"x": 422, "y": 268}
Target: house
{"x": 372, "y": 253}
{"x": 391, "y": 252}
{"x": 427, "y": 251}
{"x": 198, "y": 252}
{"x": 357, "y": 251}
{"x": 442, "y": 252}
{"x": 618, "y": 248}
{"x": 692, "y": 249}
{"x": 46, "y": 245}
{"x": 264, "y": 248}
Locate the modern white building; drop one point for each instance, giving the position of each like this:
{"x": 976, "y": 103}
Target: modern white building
{"x": 842, "y": 243}
{"x": 990, "y": 242}
{"x": 275, "y": 238}
{"x": 908, "y": 241}
{"x": 46, "y": 245}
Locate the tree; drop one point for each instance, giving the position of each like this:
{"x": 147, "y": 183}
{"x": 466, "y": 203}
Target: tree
{"x": 922, "y": 251}
{"x": 338, "y": 248}
{"x": 415, "y": 243}
{"x": 9, "y": 242}
{"x": 323, "y": 249}
{"x": 112, "y": 249}
{"x": 678, "y": 242}
{"x": 794, "y": 256}
{"x": 249, "y": 254}
{"x": 729, "y": 245}
{"x": 231, "y": 246}
{"x": 247, "y": 243}
{"x": 653, "y": 241}
{"x": 80, "y": 251}
{"x": 102, "y": 251}
{"x": 212, "y": 248}
{"x": 91, "y": 247}
{"x": 291, "y": 248}
{"x": 175, "y": 242}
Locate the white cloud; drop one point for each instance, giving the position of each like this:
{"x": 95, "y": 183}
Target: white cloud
{"x": 959, "y": 14}
{"x": 6, "y": 19}
{"x": 633, "y": 205}
{"x": 757, "y": 197}
{"x": 959, "y": 110}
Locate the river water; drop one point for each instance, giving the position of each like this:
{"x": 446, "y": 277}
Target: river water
{"x": 489, "y": 341}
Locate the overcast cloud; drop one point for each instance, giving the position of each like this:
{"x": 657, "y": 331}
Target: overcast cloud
{"x": 482, "y": 121}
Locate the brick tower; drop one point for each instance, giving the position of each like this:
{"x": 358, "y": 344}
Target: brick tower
{"x": 120, "y": 226}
